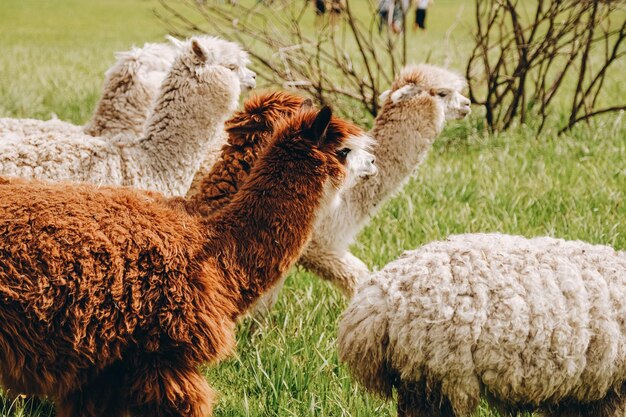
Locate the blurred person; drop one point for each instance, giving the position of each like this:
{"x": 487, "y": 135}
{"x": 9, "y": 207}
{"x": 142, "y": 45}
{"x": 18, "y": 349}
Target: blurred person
{"x": 392, "y": 14}
{"x": 420, "y": 14}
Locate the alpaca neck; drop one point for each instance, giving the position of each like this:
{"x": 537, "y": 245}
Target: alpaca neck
{"x": 179, "y": 131}
{"x": 404, "y": 134}
{"x": 121, "y": 109}
{"x": 260, "y": 233}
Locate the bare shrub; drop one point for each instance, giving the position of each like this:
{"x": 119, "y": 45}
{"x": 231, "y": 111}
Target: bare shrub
{"x": 345, "y": 59}
{"x": 528, "y": 53}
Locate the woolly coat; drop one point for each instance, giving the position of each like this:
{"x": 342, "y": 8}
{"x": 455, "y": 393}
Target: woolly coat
{"x": 121, "y": 294}
{"x": 131, "y": 85}
{"x": 532, "y": 322}
{"x": 196, "y": 98}
{"x": 249, "y": 132}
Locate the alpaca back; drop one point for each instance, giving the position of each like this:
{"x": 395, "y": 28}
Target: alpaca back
{"x": 503, "y": 313}
{"x": 88, "y": 274}
{"x": 196, "y": 98}
{"x": 411, "y": 118}
{"x": 30, "y": 127}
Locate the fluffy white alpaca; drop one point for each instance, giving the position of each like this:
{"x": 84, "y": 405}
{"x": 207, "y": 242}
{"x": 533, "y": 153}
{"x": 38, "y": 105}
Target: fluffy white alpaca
{"x": 413, "y": 114}
{"x": 130, "y": 88}
{"x": 200, "y": 91}
{"x": 528, "y": 324}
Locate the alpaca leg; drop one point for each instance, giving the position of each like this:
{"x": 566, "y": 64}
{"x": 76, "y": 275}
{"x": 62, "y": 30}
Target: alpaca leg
{"x": 342, "y": 269}
{"x": 414, "y": 401}
{"x": 408, "y": 403}
{"x": 613, "y": 405}
{"x": 161, "y": 389}
{"x": 267, "y": 301}
{"x": 102, "y": 397}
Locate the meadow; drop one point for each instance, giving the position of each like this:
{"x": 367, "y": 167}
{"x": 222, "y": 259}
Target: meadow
{"x": 52, "y": 59}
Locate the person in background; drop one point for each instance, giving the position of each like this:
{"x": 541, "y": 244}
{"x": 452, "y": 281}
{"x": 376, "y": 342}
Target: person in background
{"x": 420, "y": 14}
{"x": 383, "y": 13}
{"x": 392, "y": 14}
{"x": 320, "y": 7}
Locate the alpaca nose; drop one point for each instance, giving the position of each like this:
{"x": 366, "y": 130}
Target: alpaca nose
{"x": 373, "y": 168}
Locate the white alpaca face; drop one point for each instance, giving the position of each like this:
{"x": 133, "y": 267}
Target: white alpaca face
{"x": 456, "y": 105}
{"x": 246, "y": 77}
{"x": 238, "y": 61}
{"x": 228, "y": 55}
{"x": 360, "y": 163}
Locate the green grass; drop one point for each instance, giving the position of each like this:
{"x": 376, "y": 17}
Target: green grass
{"x": 53, "y": 56}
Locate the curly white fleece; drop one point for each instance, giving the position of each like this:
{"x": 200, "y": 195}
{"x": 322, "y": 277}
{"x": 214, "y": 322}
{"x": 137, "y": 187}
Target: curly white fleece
{"x": 130, "y": 88}
{"x": 536, "y": 321}
{"x": 200, "y": 91}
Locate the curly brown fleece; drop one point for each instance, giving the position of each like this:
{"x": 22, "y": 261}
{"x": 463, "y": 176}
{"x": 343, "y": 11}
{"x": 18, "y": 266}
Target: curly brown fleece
{"x": 110, "y": 298}
{"x": 249, "y": 132}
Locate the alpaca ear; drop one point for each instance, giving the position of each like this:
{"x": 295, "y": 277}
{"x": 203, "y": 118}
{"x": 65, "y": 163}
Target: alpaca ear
{"x": 405, "y": 92}
{"x": 176, "y": 42}
{"x": 306, "y": 104}
{"x": 320, "y": 125}
{"x": 242, "y": 128}
{"x": 384, "y": 96}
{"x": 201, "y": 52}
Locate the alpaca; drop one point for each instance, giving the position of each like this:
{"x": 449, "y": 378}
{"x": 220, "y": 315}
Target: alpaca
{"x": 414, "y": 112}
{"x": 200, "y": 91}
{"x": 130, "y": 87}
{"x": 528, "y": 324}
{"x": 111, "y": 298}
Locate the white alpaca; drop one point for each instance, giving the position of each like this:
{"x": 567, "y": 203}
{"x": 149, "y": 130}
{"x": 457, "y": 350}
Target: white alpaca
{"x": 200, "y": 91}
{"x": 527, "y": 324}
{"x": 130, "y": 88}
{"x": 413, "y": 114}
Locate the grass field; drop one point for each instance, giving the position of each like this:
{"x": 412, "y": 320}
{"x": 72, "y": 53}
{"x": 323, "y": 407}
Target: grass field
{"x": 52, "y": 59}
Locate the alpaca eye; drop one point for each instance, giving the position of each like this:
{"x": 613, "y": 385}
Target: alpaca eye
{"x": 343, "y": 153}
{"x": 443, "y": 93}
{"x": 232, "y": 67}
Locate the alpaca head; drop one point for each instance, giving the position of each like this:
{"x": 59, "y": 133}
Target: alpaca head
{"x": 421, "y": 80}
{"x": 148, "y": 64}
{"x": 340, "y": 148}
{"x": 260, "y": 114}
{"x": 227, "y": 54}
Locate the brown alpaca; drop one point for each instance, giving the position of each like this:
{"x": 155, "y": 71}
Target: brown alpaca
{"x": 249, "y": 131}
{"x": 110, "y": 298}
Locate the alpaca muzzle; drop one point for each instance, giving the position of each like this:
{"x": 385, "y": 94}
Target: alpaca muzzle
{"x": 248, "y": 79}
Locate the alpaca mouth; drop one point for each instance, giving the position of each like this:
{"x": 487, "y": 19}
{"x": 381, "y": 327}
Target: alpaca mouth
{"x": 464, "y": 112}
{"x": 371, "y": 173}
{"x": 247, "y": 86}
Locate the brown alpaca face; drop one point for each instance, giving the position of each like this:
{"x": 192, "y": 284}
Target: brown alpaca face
{"x": 348, "y": 149}
{"x": 346, "y": 153}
